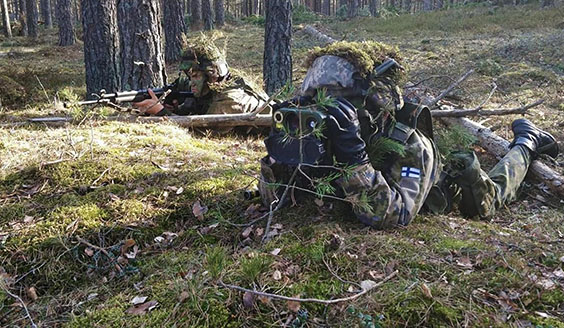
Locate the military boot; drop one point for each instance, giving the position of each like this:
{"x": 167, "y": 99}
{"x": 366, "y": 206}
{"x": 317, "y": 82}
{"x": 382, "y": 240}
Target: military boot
{"x": 536, "y": 140}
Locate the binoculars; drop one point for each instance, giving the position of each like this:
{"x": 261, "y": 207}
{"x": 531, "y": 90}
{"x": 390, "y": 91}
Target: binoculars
{"x": 298, "y": 121}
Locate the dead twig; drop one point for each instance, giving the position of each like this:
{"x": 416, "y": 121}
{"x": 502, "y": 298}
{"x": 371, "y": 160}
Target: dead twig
{"x": 478, "y": 112}
{"x": 103, "y": 250}
{"x": 340, "y": 279}
{"x": 311, "y": 300}
{"x": 481, "y": 105}
{"x": 450, "y": 88}
{"x": 19, "y": 299}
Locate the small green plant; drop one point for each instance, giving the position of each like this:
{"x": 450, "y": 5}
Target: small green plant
{"x": 323, "y": 185}
{"x": 255, "y": 20}
{"x": 365, "y": 320}
{"x": 323, "y": 100}
{"x": 381, "y": 149}
{"x": 215, "y": 260}
{"x": 252, "y": 268}
{"x": 454, "y": 139}
{"x": 489, "y": 67}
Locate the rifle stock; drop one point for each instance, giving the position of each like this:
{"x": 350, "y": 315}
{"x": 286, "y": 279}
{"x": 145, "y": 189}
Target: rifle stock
{"x": 136, "y": 96}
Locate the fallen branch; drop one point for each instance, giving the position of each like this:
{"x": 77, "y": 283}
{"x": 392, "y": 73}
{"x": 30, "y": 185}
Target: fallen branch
{"x": 479, "y": 112}
{"x": 19, "y": 299}
{"x": 499, "y": 147}
{"x": 311, "y": 300}
{"x": 450, "y": 88}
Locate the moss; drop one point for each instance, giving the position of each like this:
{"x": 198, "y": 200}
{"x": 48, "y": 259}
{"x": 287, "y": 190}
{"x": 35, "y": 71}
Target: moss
{"x": 251, "y": 268}
{"x": 365, "y": 56}
{"x": 11, "y": 92}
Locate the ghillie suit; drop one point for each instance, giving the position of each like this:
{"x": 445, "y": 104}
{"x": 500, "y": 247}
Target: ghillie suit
{"x": 230, "y": 93}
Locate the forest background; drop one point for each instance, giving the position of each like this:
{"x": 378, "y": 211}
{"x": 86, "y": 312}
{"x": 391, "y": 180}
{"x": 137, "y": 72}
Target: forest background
{"x": 98, "y": 215}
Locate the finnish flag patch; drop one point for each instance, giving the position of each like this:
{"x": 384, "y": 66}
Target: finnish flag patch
{"x": 410, "y": 172}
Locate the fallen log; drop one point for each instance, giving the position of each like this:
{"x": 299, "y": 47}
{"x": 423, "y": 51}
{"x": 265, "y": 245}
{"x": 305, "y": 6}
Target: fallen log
{"x": 324, "y": 38}
{"x": 498, "y": 146}
{"x": 192, "y": 121}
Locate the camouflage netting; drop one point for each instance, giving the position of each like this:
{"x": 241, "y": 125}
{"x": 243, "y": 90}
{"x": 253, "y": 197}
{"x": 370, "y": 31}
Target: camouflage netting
{"x": 365, "y": 56}
{"x": 11, "y": 92}
{"x": 203, "y": 48}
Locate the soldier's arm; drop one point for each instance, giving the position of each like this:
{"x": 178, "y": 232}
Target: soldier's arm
{"x": 386, "y": 203}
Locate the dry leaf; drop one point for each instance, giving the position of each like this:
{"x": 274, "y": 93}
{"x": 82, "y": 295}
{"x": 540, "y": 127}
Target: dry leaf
{"x": 165, "y": 194}
{"x": 558, "y": 274}
{"x": 133, "y": 253}
{"x": 464, "y": 262}
{"x": 248, "y": 300}
{"x": 546, "y": 283}
{"x": 367, "y": 284}
{"x": 562, "y": 259}
{"x": 28, "y": 219}
{"x": 277, "y": 226}
{"x": 277, "y": 275}
{"x": 318, "y": 202}
{"x": 89, "y": 251}
{"x": 179, "y": 191}
{"x": 264, "y": 299}
{"x": 377, "y": 275}
{"x": 276, "y": 251}
{"x": 247, "y": 232}
{"x": 32, "y": 293}
{"x": 142, "y": 308}
{"x": 199, "y": 210}
{"x": 126, "y": 245}
{"x": 138, "y": 300}
{"x": 426, "y": 290}
{"x": 114, "y": 197}
{"x": 293, "y": 305}
{"x": 159, "y": 239}
{"x": 390, "y": 267}
{"x": 352, "y": 256}
{"x": 259, "y": 232}
{"x": 183, "y": 296}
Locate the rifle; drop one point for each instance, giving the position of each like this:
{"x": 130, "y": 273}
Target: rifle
{"x": 169, "y": 91}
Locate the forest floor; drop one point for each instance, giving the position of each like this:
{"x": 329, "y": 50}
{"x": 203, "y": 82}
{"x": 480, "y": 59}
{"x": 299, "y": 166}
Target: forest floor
{"x": 95, "y": 216}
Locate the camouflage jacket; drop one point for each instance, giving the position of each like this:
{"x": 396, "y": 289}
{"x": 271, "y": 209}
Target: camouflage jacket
{"x": 235, "y": 97}
{"x": 387, "y": 199}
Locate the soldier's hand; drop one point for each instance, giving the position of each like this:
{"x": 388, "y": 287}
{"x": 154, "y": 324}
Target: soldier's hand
{"x": 344, "y": 132}
{"x": 149, "y": 106}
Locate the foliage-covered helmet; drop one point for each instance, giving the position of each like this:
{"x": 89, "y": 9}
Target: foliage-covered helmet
{"x": 203, "y": 54}
{"x": 347, "y": 69}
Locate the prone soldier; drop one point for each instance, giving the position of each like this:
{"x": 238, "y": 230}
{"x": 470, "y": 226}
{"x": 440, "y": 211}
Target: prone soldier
{"x": 386, "y": 185}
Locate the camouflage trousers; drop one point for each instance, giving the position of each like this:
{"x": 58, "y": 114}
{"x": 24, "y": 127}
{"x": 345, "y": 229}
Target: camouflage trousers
{"x": 482, "y": 193}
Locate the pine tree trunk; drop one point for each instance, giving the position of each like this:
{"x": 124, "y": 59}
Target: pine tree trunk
{"x": 174, "y": 29}
{"x": 353, "y": 8}
{"x": 65, "y": 21}
{"x": 23, "y": 18}
{"x": 196, "y": 18}
{"x": 427, "y": 5}
{"x": 219, "y": 13}
{"x": 374, "y": 7}
{"x": 327, "y": 7}
{"x": 46, "y": 13}
{"x": 101, "y": 46}
{"x": 277, "y": 62}
{"x": 141, "y": 36}
{"x": 32, "y": 17}
{"x": 6, "y": 19}
{"x": 207, "y": 15}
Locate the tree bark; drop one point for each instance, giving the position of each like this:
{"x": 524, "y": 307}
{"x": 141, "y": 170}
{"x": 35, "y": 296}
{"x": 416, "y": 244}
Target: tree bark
{"x": 6, "y": 19}
{"x": 374, "y": 7}
{"x": 46, "y": 13}
{"x": 142, "y": 56}
{"x": 327, "y": 7}
{"x": 353, "y": 8}
{"x": 277, "y": 60}
{"x": 32, "y": 17}
{"x": 196, "y": 18}
{"x": 219, "y": 13}
{"x": 174, "y": 29}
{"x": 23, "y": 18}
{"x": 65, "y": 22}
{"x": 207, "y": 15}
{"x": 101, "y": 46}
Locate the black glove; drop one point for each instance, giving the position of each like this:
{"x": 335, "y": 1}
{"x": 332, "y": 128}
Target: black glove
{"x": 344, "y": 133}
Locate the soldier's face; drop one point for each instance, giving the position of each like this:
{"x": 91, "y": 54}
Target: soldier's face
{"x": 198, "y": 83}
